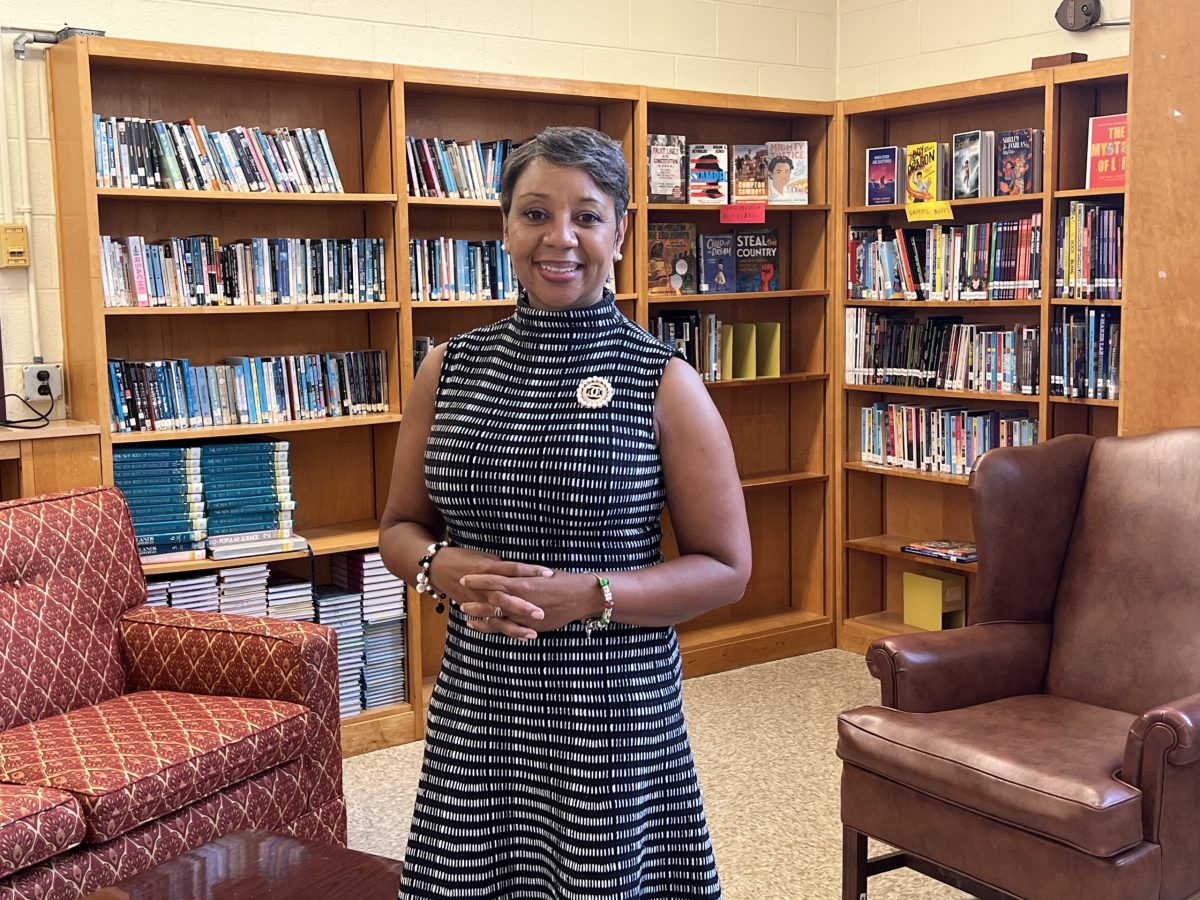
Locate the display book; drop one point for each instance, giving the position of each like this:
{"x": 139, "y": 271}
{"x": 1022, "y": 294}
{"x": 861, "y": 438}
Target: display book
{"x": 709, "y": 174}
{"x": 744, "y": 260}
{"x": 953, "y": 551}
{"x": 974, "y": 165}
{"x": 1108, "y": 142}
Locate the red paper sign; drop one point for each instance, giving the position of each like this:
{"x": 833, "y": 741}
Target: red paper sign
{"x": 744, "y": 214}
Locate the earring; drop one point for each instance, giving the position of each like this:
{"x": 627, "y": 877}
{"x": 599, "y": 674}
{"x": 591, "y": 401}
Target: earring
{"x": 617, "y": 255}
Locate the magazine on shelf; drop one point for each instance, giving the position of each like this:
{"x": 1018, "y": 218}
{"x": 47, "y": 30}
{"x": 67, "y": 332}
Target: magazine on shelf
{"x": 954, "y": 551}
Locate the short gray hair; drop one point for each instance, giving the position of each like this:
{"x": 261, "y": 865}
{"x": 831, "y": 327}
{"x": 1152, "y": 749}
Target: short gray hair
{"x": 593, "y": 151}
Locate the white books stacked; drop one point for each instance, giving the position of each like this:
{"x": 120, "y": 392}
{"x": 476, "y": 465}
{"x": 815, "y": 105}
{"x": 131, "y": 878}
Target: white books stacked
{"x": 244, "y": 590}
{"x": 341, "y": 610}
{"x": 382, "y": 592}
{"x": 383, "y": 681}
{"x": 289, "y": 597}
{"x": 158, "y": 593}
{"x": 197, "y": 593}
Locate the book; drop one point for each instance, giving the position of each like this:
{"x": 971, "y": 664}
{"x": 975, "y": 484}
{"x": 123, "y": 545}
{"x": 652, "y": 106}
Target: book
{"x": 667, "y": 155}
{"x": 672, "y": 258}
{"x": 756, "y": 263}
{"x": 716, "y": 263}
{"x": 925, "y": 172}
{"x": 708, "y": 174}
{"x": 971, "y": 167}
{"x": 1018, "y": 162}
{"x": 258, "y": 548}
{"x": 787, "y": 172}
{"x": 885, "y": 170}
{"x": 954, "y": 551}
{"x": 1108, "y": 138}
{"x": 749, "y": 173}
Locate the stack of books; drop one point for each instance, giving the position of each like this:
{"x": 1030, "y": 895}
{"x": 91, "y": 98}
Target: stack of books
{"x": 164, "y": 489}
{"x": 157, "y": 593}
{"x": 341, "y": 610}
{"x": 290, "y": 598}
{"x": 383, "y": 612}
{"x": 383, "y": 681}
{"x": 248, "y": 494}
{"x": 197, "y": 593}
{"x": 243, "y": 590}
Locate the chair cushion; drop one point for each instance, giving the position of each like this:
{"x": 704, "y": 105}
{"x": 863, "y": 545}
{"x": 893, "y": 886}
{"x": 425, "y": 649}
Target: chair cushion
{"x": 35, "y": 824}
{"x": 134, "y": 758}
{"x": 1042, "y": 763}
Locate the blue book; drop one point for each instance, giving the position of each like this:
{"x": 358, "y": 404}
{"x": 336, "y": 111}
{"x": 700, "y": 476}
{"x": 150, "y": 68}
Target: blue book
{"x": 716, "y": 264}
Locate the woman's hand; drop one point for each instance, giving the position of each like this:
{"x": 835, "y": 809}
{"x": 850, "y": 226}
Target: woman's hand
{"x": 451, "y": 568}
{"x": 523, "y": 606}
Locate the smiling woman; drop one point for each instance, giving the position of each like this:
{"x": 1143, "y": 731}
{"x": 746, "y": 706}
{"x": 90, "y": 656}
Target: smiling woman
{"x": 533, "y": 463}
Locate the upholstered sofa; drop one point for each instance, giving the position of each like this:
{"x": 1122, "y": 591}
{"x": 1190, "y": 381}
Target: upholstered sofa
{"x": 129, "y": 734}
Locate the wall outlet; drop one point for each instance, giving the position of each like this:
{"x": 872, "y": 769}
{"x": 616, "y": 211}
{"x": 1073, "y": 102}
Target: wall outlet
{"x": 43, "y": 382}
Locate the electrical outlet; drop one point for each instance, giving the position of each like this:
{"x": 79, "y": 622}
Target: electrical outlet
{"x": 43, "y": 382}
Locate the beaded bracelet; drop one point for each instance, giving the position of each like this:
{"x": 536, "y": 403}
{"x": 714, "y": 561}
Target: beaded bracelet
{"x": 601, "y": 622}
{"x": 424, "y": 584}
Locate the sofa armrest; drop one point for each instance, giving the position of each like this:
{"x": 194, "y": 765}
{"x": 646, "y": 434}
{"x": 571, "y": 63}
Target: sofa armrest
{"x": 241, "y": 656}
{"x": 962, "y": 667}
{"x": 1166, "y": 737}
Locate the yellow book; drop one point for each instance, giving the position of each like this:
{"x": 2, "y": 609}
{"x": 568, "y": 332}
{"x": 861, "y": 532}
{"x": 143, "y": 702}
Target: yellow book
{"x": 766, "y": 336}
{"x": 935, "y": 600}
{"x": 745, "y": 352}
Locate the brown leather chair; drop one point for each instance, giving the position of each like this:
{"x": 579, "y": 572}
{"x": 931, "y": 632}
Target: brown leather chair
{"x": 1048, "y": 750}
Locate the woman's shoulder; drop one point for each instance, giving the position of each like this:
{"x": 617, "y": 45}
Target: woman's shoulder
{"x": 639, "y": 340}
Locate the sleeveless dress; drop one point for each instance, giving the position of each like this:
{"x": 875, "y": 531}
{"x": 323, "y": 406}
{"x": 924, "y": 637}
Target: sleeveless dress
{"x": 560, "y": 768}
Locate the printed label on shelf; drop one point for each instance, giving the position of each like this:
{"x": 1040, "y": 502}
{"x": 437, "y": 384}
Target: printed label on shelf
{"x": 744, "y": 214}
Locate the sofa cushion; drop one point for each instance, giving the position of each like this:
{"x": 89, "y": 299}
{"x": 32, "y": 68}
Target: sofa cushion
{"x": 36, "y": 823}
{"x": 68, "y": 569}
{"x": 137, "y": 757}
{"x": 1050, "y": 766}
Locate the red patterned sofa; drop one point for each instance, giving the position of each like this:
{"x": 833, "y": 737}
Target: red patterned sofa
{"x": 129, "y": 734}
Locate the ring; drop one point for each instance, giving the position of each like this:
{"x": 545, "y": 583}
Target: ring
{"x": 498, "y": 613}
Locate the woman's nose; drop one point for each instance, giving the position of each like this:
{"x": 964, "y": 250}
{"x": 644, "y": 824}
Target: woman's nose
{"x": 563, "y": 232}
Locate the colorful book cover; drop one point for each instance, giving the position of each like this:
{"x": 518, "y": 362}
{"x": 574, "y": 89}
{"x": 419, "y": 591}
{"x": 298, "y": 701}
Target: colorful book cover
{"x": 787, "y": 172}
{"x": 1107, "y": 142}
{"x": 667, "y": 155}
{"x": 884, "y": 168}
{"x": 1016, "y": 162}
{"x": 672, "y": 258}
{"x": 756, "y": 259}
{"x": 749, "y": 173}
{"x": 708, "y": 173}
{"x": 922, "y": 181}
{"x": 716, "y": 264}
{"x": 955, "y": 551}
{"x": 967, "y": 148}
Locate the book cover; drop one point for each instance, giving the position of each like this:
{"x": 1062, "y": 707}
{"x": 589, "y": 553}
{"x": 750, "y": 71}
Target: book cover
{"x": 708, "y": 174}
{"x": 955, "y": 551}
{"x": 756, "y": 260}
{"x": 787, "y": 172}
{"x": 885, "y": 167}
{"x": 667, "y": 156}
{"x": 923, "y": 172}
{"x": 749, "y": 173}
{"x": 672, "y": 258}
{"x": 1107, "y": 142}
{"x": 716, "y": 264}
{"x": 967, "y": 148}
{"x": 1017, "y": 161}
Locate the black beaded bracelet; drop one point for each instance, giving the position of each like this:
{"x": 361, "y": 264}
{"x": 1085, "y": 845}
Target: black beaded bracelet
{"x": 424, "y": 585}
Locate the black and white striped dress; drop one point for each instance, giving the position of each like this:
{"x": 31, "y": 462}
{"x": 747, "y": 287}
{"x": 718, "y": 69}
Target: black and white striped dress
{"x": 557, "y": 768}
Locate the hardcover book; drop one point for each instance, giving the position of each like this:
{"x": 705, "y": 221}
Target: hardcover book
{"x": 716, "y": 264}
{"x": 971, "y": 167}
{"x": 925, "y": 177}
{"x": 1107, "y": 141}
{"x": 757, "y": 259}
{"x": 668, "y": 161}
{"x": 749, "y": 173}
{"x": 1018, "y": 162}
{"x": 885, "y": 169}
{"x": 672, "y": 258}
{"x": 787, "y": 172}
{"x": 708, "y": 174}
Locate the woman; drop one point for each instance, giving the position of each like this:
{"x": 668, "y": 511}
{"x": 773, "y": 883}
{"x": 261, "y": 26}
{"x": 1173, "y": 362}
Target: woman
{"x": 542, "y": 447}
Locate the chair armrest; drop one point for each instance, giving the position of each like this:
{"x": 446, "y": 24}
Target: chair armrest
{"x": 962, "y": 667}
{"x": 1166, "y": 734}
{"x": 242, "y": 656}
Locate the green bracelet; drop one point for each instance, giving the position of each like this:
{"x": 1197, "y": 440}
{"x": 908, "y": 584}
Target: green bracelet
{"x": 590, "y": 625}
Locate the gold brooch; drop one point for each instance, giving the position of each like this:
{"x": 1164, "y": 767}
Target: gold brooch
{"x": 594, "y": 392}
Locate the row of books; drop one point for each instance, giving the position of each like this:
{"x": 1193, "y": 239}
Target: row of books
{"x": 978, "y": 261}
{"x": 172, "y": 394}
{"x": 445, "y": 268}
{"x": 1085, "y": 353}
{"x": 200, "y": 271}
{"x": 981, "y": 164}
{"x": 1088, "y": 263}
{"x": 383, "y": 598}
{"x": 134, "y": 152}
{"x": 469, "y": 170}
{"x": 944, "y": 439}
{"x": 770, "y": 172}
{"x": 720, "y": 351}
{"x": 744, "y": 260}
{"x": 941, "y": 352}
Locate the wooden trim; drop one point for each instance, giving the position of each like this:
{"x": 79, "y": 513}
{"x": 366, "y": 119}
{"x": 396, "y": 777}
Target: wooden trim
{"x": 724, "y": 647}
{"x": 958, "y": 92}
{"x": 375, "y": 729}
{"x": 741, "y": 104}
{"x": 420, "y": 77}
{"x": 1092, "y": 70}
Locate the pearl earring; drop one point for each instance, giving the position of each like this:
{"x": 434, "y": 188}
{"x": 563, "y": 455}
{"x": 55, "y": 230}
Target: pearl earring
{"x": 617, "y": 255}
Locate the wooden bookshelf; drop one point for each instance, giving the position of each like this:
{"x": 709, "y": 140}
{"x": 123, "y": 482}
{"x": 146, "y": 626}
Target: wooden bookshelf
{"x": 881, "y": 507}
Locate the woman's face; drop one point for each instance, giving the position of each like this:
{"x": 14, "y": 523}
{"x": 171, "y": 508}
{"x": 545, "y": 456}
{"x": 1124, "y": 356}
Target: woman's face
{"x": 780, "y": 176}
{"x": 561, "y": 233}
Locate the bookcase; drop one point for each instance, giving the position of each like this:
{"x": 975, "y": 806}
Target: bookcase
{"x": 880, "y": 508}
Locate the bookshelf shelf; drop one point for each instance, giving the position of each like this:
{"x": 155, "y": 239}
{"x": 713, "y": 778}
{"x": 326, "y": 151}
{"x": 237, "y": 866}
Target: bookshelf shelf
{"x": 788, "y": 478}
{"x": 460, "y": 203}
{"x": 788, "y": 378}
{"x": 189, "y": 434}
{"x": 657, "y": 299}
{"x": 989, "y": 396}
{"x": 1060, "y": 301}
{"x": 1088, "y": 193}
{"x": 362, "y": 534}
{"x": 269, "y": 309}
{"x": 998, "y": 202}
{"x": 715, "y": 208}
{"x": 946, "y": 304}
{"x": 1083, "y": 401}
{"x": 200, "y": 565}
{"x": 908, "y": 474}
{"x": 252, "y": 197}
{"x": 857, "y": 633}
{"x": 889, "y": 545}
{"x": 463, "y": 304}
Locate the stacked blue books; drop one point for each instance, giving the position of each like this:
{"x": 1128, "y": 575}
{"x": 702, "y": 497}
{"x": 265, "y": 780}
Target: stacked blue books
{"x": 244, "y": 590}
{"x": 164, "y": 489}
{"x": 341, "y": 610}
{"x": 248, "y": 496}
{"x": 383, "y": 612}
{"x": 289, "y": 597}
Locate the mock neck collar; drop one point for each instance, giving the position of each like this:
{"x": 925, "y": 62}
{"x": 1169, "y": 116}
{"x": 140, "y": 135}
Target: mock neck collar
{"x": 600, "y": 316}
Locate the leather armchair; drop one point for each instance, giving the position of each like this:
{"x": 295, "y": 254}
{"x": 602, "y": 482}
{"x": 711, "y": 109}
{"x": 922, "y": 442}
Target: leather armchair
{"x": 1051, "y": 748}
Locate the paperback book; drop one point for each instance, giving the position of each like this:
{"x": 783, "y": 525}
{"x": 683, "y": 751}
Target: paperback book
{"x": 749, "y": 173}
{"x": 972, "y": 170}
{"x": 925, "y": 172}
{"x": 757, "y": 259}
{"x": 1107, "y": 142}
{"x": 1019, "y": 162}
{"x": 716, "y": 263}
{"x": 708, "y": 174}
{"x": 885, "y": 170}
{"x": 954, "y": 551}
{"x": 668, "y": 159}
{"x": 672, "y": 258}
{"x": 787, "y": 172}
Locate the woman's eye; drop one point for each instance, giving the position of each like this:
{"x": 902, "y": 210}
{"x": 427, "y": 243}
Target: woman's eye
{"x": 588, "y": 218}
{"x": 534, "y": 215}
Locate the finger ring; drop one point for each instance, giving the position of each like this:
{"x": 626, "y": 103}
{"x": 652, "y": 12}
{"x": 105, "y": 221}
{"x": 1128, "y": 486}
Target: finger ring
{"x": 498, "y": 613}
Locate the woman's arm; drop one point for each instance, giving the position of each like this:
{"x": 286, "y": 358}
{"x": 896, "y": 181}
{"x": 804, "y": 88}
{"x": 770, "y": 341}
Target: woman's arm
{"x": 708, "y": 513}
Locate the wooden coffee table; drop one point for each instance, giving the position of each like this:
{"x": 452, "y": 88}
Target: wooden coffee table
{"x": 249, "y": 865}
